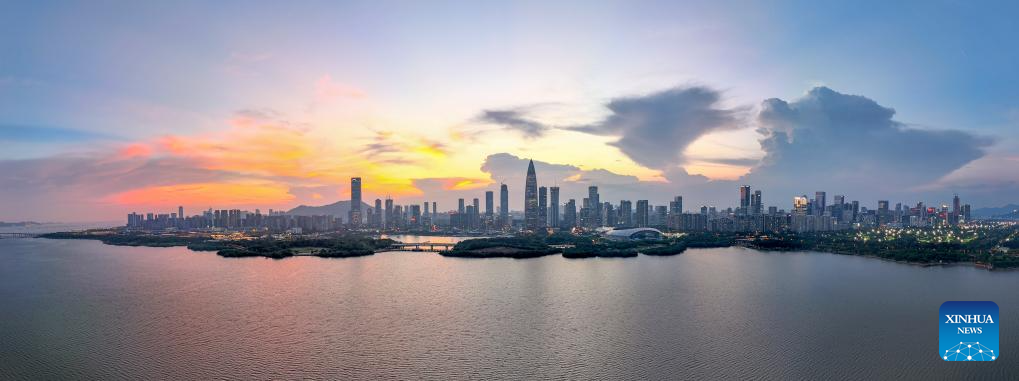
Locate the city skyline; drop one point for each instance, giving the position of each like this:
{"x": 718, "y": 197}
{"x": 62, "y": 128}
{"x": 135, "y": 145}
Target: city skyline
{"x": 667, "y": 99}
{"x": 541, "y": 214}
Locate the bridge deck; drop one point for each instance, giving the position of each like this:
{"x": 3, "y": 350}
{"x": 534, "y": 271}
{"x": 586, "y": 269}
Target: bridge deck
{"x": 17, "y": 235}
{"x": 424, "y": 246}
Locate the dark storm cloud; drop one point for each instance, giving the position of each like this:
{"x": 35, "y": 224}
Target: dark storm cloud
{"x": 837, "y": 141}
{"x": 654, "y": 129}
{"x": 515, "y": 120}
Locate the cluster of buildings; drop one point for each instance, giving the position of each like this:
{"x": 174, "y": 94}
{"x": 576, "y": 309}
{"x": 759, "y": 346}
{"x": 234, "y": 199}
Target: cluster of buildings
{"x": 544, "y": 211}
{"x": 233, "y": 219}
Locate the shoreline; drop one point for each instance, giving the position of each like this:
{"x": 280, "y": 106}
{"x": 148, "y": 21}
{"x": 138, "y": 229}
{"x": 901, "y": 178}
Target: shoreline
{"x": 223, "y": 249}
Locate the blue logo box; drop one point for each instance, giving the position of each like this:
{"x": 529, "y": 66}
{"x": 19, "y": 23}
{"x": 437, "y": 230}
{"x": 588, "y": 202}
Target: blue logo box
{"x": 968, "y": 331}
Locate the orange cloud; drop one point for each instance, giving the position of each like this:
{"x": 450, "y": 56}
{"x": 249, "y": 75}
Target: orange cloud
{"x": 219, "y": 194}
{"x": 456, "y": 184}
{"x": 250, "y": 149}
{"x": 134, "y": 150}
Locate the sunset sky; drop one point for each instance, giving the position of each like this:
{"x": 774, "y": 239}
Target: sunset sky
{"x": 112, "y": 107}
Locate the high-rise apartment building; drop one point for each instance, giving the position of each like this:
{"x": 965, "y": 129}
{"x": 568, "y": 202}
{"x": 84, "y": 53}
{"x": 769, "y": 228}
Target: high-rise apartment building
{"x": 489, "y": 205}
{"x": 744, "y": 198}
{"x": 354, "y": 215}
{"x": 626, "y": 213}
{"x": 820, "y": 203}
{"x": 542, "y": 207}
{"x": 594, "y": 201}
{"x": 676, "y": 205}
{"x": 504, "y": 218}
{"x": 553, "y": 216}
{"x": 570, "y": 214}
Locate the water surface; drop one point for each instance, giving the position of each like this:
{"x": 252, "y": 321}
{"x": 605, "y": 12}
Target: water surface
{"x": 81, "y": 309}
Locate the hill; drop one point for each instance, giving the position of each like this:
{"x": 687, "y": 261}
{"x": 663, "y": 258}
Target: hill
{"x": 1007, "y": 211}
{"x": 338, "y": 209}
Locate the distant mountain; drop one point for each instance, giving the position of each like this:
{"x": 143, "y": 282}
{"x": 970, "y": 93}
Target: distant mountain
{"x": 338, "y": 209}
{"x": 19, "y": 224}
{"x": 1002, "y": 212}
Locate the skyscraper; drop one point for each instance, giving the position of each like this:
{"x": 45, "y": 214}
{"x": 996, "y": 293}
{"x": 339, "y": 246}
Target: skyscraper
{"x": 626, "y": 213}
{"x": 608, "y": 214}
{"x": 180, "y": 212}
{"x": 542, "y": 207}
{"x": 390, "y": 218}
{"x": 460, "y": 206}
{"x": 531, "y": 198}
{"x": 378, "y": 214}
{"x": 755, "y": 203}
{"x": 676, "y": 205}
{"x": 800, "y": 205}
{"x": 744, "y": 198}
{"x": 642, "y": 214}
{"x": 354, "y": 216}
{"x": 489, "y": 204}
{"x": 820, "y": 203}
{"x": 477, "y": 212}
{"x": 553, "y": 216}
{"x": 504, "y": 206}
{"x": 883, "y": 216}
{"x": 840, "y": 200}
{"x": 956, "y": 210}
{"x": 570, "y": 214}
{"x": 595, "y": 204}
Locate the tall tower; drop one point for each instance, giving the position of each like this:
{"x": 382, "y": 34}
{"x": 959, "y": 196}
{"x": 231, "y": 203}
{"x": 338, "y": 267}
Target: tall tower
{"x": 390, "y": 218}
{"x": 626, "y": 213}
{"x": 553, "y": 215}
{"x": 820, "y": 203}
{"x": 570, "y": 214}
{"x": 531, "y": 198}
{"x": 744, "y": 198}
{"x": 595, "y": 203}
{"x": 642, "y": 214}
{"x": 756, "y": 204}
{"x": 378, "y": 214}
{"x": 956, "y": 209}
{"x": 489, "y": 200}
{"x": 676, "y": 205}
{"x": 355, "y": 201}
{"x": 474, "y": 217}
{"x": 542, "y": 207}
{"x": 504, "y": 218}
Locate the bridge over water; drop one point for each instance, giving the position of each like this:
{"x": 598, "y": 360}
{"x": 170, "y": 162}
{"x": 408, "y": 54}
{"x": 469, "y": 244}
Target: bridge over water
{"x": 424, "y": 246}
{"x": 17, "y": 235}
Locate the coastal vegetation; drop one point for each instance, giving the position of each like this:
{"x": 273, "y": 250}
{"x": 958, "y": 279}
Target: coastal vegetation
{"x": 528, "y": 246}
{"x": 350, "y": 246}
{"x": 568, "y": 245}
{"x": 115, "y": 238}
{"x": 988, "y": 245}
{"x": 991, "y": 245}
{"x": 268, "y": 247}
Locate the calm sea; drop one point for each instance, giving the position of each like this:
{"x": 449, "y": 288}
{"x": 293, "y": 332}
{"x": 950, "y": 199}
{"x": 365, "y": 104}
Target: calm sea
{"x": 83, "y": 310}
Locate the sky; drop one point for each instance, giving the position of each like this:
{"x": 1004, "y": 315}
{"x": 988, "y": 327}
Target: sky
{"x": 109, "y": 107}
